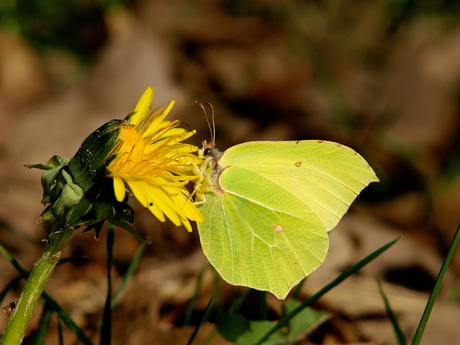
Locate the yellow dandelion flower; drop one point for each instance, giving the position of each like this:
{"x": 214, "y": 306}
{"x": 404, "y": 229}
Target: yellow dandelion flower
{"x": 151, "y": 163}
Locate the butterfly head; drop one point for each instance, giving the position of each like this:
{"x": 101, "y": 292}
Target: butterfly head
{"x": 209, "y": 153}
{"x": 208, "y": 149}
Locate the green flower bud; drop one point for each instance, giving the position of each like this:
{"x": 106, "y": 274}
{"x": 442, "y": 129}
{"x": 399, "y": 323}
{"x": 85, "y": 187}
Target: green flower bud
{"x": 77, "y": 190}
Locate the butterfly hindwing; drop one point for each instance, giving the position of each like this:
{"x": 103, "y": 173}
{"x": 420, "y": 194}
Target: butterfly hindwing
{"x": 251, "y": 240}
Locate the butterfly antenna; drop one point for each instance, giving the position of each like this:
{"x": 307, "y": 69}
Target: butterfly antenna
{"x": 213, "y": 131}
{"x": 212, "y": 128}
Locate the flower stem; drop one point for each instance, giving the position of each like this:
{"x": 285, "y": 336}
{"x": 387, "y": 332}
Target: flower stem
{"x": 41, "y": 273}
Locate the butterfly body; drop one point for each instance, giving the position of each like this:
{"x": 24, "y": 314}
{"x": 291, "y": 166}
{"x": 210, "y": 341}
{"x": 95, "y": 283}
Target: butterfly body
{"x": 268, "y": 206}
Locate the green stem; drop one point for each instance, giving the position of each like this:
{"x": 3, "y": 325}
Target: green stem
{"x": 41, "y": 273}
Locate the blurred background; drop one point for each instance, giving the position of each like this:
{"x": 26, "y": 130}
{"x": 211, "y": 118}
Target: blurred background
{"x": 382, "y": 77}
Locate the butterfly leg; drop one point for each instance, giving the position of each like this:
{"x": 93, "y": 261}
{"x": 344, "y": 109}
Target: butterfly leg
{"x": 198, "y": 197}
{"x": 203, "y": 183}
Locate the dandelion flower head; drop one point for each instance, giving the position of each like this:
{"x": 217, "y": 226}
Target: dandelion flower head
{"x": 152, "y": 163}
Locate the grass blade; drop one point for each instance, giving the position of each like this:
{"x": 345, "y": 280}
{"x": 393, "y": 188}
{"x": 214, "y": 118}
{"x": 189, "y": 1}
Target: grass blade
{"x": 60, "y": 332}
{"x": 238, "y": 302}
{"x": 263, "y": 308}
{"x": 106, "y": 328}
{"x": 394, "y": 320}
{"x": 299, "y": 288}
{"x": 284, "y": 321}
{"x": 204, "y": 318}
{"x": 72, "y": 259}
{"x": 191, "y": 304}
{"x": 38, "y": 336}
{"x": 52, "y": 304}
{"x": 129, "y": 273}
{"x": 437, "y": 286}
{"x": 7, "y": 287}
{"x": 13, "y": 261}
{"x": 124, "y": 282}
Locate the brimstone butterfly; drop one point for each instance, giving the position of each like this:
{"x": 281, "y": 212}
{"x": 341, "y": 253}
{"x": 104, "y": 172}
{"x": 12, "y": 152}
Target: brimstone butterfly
{"x": 268, "y": 206}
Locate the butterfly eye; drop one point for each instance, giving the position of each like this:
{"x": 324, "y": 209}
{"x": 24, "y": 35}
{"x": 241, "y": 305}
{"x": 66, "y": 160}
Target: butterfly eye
{"x": 208, "y": 152}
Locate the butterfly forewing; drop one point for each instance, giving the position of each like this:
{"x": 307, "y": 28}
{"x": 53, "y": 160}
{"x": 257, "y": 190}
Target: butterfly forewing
{"x": 325, "y": 175}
